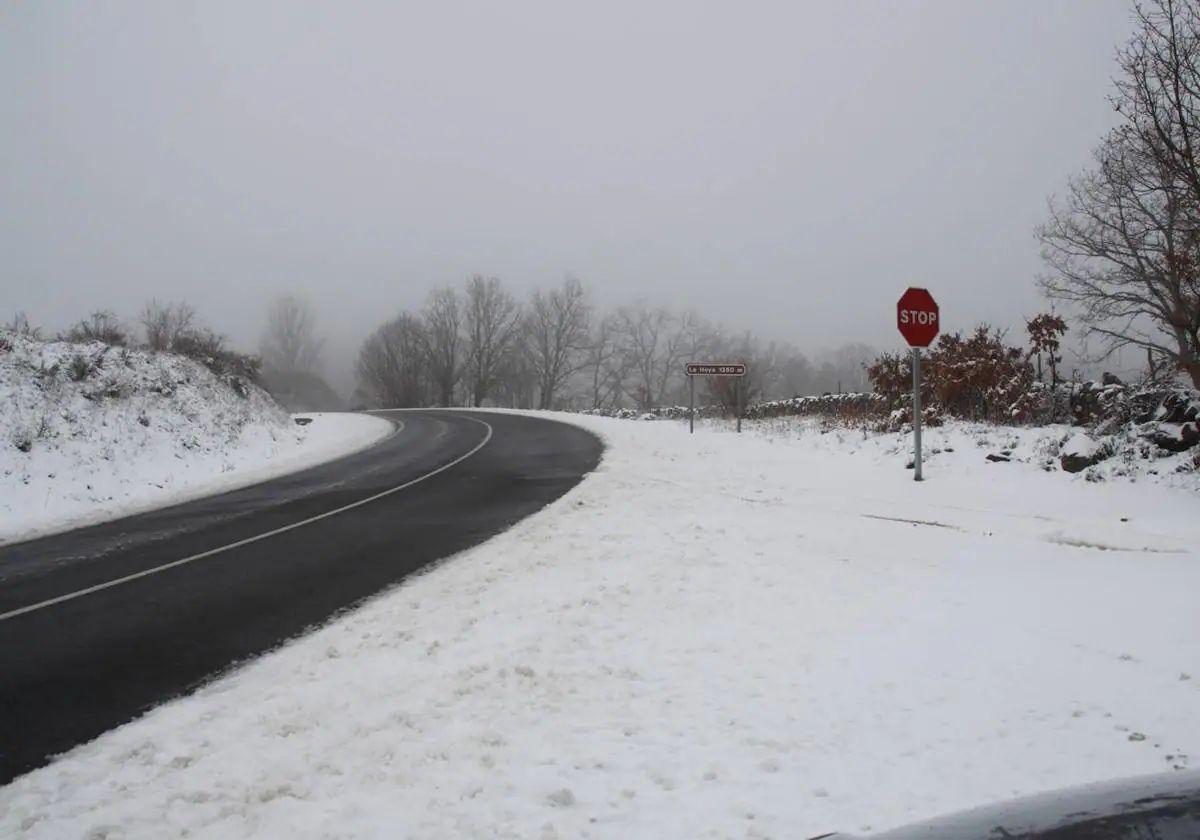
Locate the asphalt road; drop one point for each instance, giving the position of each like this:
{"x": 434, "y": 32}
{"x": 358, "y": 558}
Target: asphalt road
{"x": 100, "y": 624}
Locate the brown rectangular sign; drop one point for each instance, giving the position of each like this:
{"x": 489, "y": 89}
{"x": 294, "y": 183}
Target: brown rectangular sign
{"x": 715, "y": 370}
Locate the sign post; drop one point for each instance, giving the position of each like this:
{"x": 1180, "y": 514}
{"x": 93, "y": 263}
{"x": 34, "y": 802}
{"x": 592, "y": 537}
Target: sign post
{"x": 918, "y": 319}
{"x": 916, "y": 365}
{"x": 691, "y": 405}
{"x": 737, "y": 402}
{"x": 694, "y": 369}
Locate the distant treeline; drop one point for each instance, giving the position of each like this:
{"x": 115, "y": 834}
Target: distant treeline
{"x": 481, "y": 345}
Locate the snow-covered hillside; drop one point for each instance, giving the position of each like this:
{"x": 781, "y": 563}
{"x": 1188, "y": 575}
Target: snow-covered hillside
{"x": 90, "y": 432}
{"x": 773, "y": 634}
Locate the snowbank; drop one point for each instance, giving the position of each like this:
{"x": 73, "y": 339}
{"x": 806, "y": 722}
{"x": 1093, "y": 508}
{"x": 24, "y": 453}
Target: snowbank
{"x": 777, "y": 634}
{"x": 90, "y": 433}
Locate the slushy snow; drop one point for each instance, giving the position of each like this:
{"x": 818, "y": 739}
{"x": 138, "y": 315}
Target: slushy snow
{"x": 774, "y": 634}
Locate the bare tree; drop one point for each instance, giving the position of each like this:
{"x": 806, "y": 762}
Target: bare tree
{"x": 492, "y": 319}
{"x": 691, "y": 338}
{"x": 443, "y": 327}
{"x": 1124, "y": 245}
{"x": 733, "y": 392}
{"x": 1158, "y": 91}
{"x": 290, "y": 343}
{"x": 787, "y": 372}
{"x": 165, "y": 323}
{"x": 557, "y": 333}
{"x": 515, "y": 383}
{"x": 643, "y": 337}
{"x": 604, "y": 364}
{"x": 391, "y": 363}
{"x": 655, "y": 344}
{"x": 848, "y": 366}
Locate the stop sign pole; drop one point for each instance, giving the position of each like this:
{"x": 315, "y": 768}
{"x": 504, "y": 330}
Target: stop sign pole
{"x": 918, "y": 320}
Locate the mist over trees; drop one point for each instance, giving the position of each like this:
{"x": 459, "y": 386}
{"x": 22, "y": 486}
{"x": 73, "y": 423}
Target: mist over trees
{"x": 291, "y": 351}
{"x": 290, "y": 343}
{"x": 480, "y": 345}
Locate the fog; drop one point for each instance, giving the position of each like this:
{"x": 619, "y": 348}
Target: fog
{"x": 782, "y": 167}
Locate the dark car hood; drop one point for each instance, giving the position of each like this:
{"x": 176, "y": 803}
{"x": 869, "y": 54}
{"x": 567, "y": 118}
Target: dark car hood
{"x": 1162, "y": 807}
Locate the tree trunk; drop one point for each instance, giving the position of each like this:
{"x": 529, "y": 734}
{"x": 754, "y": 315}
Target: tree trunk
{"x": 1193, "y": 370}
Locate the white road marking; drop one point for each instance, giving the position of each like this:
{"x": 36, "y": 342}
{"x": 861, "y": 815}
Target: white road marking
{"x": 70, "y": 596}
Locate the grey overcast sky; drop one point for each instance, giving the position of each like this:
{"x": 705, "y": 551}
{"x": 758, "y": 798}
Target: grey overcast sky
{"x": 787, "y": 167}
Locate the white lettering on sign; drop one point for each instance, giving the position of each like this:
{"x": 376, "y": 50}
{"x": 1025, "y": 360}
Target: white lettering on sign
{"x": 917, "y": 316}
{"x": 695, "y": 369}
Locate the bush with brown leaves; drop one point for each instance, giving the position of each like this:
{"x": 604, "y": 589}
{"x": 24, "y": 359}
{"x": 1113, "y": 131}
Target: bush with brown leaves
{"x": 973, "y": 377}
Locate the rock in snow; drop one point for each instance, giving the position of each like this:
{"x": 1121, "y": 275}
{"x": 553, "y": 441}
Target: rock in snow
{"x": 1080, "y": 452}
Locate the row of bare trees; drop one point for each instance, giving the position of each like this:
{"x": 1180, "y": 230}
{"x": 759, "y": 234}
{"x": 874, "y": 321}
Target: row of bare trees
{"x": 481, "y": 345}
{"x": 477, "y": 345}
{"x": 1123, "y": 244}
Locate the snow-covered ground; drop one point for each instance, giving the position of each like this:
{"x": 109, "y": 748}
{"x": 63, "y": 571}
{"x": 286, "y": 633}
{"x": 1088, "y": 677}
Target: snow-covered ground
{"x": 90, "y": 433}
{"x": 776, "y": 634}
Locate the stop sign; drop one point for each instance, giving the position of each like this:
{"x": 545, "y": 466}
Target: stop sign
{"x": 917, "y": 317}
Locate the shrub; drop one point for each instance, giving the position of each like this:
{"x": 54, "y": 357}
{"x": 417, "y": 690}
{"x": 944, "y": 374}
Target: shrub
{"x": 976, "y": 377}
{"x": 19, "y": 325}
{"x": 208, "y": 348}
{"x": 166, "y": 323}
{"x": 890, "y": 376}
{"x": 102, "y": 326}
{"x": 27, "y": 430}
{"x": 79, "y": 368}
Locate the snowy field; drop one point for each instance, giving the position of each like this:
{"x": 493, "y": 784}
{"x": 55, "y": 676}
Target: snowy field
{"x": 131, "y": 430}
{"x": 771, "y": 635}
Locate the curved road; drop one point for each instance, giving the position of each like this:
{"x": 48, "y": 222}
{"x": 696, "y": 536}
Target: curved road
{"x": 100, "y": 624}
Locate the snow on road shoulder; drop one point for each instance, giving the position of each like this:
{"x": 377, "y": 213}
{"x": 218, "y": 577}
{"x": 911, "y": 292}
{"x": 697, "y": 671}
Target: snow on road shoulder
{"x": 89, "y": 433}
{"x": 83, "y": 485}
{"x": 712, "y": 635}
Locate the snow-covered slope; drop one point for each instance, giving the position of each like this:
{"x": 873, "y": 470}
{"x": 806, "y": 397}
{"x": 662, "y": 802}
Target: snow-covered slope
{"x": 90, "y": 432}
{"x": 777, "y": 634}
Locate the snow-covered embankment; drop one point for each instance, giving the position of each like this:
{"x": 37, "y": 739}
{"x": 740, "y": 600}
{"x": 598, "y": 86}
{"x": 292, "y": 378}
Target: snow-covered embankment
{"x": 89, "y": 433}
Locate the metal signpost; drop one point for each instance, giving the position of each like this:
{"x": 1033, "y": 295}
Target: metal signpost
{"x": 694, "y": 369}
{"x": 918, "y": 321}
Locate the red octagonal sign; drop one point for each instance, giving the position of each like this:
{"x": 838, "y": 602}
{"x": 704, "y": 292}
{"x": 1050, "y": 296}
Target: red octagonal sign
{"x": 917, "y": 317}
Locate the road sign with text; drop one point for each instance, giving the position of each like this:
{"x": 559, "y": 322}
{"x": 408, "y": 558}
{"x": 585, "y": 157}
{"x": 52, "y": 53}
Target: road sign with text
{"x": 917, "y": 317}
{"x": 715, "y": 370}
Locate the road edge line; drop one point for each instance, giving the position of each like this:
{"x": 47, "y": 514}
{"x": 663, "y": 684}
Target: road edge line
{"x": 70, "y": 596}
